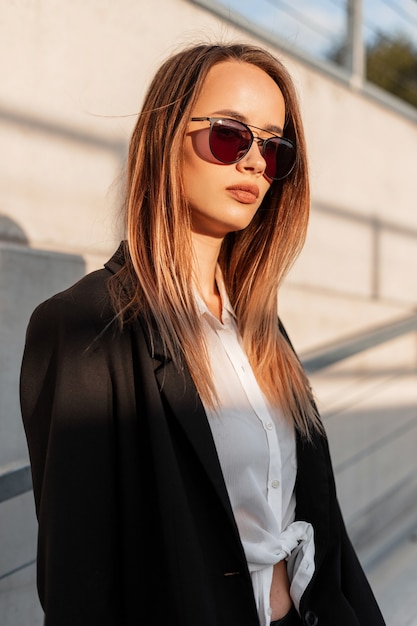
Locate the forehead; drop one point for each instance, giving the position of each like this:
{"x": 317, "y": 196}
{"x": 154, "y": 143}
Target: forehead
{"x": 243, "y": 87}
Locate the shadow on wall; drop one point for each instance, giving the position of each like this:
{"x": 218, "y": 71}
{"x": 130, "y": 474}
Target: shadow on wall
{"x": 71, "y": 134}
{"x": 12, "y": 231}
{"x": 383, "y": 251}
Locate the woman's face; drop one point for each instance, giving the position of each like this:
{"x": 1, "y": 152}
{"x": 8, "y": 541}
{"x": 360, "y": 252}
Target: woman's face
{"x": 224, "y": 198}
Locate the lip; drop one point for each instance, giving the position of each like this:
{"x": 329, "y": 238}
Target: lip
{"x": 245, "y": 193}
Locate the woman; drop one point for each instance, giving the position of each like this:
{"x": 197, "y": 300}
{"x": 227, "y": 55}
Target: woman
{"x": 181, "y": 472}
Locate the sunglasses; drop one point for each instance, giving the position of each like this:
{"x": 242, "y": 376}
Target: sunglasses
{"x": 230, "y": 141}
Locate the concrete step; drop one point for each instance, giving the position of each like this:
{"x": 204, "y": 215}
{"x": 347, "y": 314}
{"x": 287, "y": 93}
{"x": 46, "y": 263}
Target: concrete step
{"x": 394, "y": 581}
{"x": 369, "y": 408}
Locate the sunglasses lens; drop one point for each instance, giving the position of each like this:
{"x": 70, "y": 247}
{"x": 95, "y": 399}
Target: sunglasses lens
{"x": 279, "y": 155}
{"x": 229, "y": 140}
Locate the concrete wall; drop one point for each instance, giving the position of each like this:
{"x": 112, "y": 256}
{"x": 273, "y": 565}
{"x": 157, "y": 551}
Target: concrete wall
{"x": 72, "y": 78}
{"x": 68, "y": 106}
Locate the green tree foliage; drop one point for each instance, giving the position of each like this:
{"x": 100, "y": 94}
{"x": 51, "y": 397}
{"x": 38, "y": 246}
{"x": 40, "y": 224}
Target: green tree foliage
{"x": 391, "y": 63}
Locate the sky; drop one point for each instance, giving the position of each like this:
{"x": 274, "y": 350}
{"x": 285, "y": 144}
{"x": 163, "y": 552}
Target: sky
{"x": 316, "y": 26}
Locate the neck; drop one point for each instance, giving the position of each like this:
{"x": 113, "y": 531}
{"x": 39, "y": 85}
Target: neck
{"x": 206, "y": 254}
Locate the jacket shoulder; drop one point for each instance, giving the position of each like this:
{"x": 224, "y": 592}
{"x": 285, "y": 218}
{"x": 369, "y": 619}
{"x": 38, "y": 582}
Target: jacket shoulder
{"x": 88, "y": 298}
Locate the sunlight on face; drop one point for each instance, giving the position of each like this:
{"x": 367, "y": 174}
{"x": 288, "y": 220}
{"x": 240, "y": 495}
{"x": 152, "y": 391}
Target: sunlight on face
{"x": 224, "y": 198}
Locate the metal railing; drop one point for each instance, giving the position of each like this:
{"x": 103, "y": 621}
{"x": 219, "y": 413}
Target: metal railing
{"x": 15, "y": 480}
{"x": 325, "y": 355}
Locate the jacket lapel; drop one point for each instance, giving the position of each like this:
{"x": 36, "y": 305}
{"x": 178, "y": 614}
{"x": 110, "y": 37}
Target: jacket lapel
{"x": 179, "y": 392}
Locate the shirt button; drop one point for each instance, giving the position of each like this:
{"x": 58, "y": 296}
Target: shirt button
{"x": 269, "y": 425}
{"x": 275, "y": 484}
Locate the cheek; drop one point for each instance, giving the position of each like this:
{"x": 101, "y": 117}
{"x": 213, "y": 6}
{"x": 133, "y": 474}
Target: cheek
{"x": 201, "y": 147}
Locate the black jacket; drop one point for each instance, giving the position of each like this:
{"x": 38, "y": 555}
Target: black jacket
{"x": 135, "y": 524}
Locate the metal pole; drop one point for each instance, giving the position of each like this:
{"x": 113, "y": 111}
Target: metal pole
{"x": 355, "y": 48}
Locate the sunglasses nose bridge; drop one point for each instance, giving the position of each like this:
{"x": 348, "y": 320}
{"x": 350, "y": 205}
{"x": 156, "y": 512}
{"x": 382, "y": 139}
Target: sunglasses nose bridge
{"x": 260, "y": 143}
{"x": 254, "y": 158}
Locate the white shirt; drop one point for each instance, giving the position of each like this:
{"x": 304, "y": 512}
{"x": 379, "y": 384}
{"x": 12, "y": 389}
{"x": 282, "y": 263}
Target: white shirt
{"x": 257, "y": 453}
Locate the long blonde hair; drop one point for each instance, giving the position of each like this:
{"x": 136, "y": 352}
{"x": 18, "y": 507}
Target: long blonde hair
{"x": 155, "y": 282}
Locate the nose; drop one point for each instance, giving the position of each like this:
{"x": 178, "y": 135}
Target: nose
{"x": 253, "y": 160}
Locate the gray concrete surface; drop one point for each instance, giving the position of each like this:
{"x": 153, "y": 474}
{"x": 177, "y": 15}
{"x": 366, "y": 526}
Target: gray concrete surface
{"x": 27, "y": 277}
{"x": 394, "y": 581}
{"x": 19, "y": 604}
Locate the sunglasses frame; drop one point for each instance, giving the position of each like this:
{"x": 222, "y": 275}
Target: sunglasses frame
{"x": 261, "y": 142}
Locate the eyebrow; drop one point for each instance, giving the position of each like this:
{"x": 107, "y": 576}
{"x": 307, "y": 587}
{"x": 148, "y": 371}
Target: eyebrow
{"x": 242, "y": 118}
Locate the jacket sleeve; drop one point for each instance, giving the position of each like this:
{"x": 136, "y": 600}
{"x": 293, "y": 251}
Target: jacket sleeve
{"x": 66, "y": 402}
{"x": 339, "y": 592}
